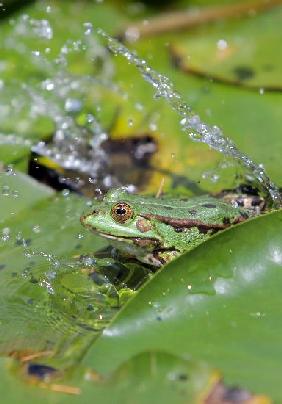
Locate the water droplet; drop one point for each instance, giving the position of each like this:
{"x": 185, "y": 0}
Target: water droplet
{"x": 6, "y": 234}
{"x": 222, "y": 44}
{"x": 35, "y": 53}
{"x": 48, "y": 85}
{"x": 108, "y": 181}
{"x": 42, "y": 28}
{"x": 88, "y": 261}
{"x": 10, "y": 170}
{"x": 73, "y": 105}
{"x": 88, "y": 28}
{"x": 36, "y": 229}
{"x": 153, "y": 126}
{"x": 139, "y": 106}
{"x": 132, "y": 34}
{"x": 211, "y": 175}
{"x": 5, "y": 190}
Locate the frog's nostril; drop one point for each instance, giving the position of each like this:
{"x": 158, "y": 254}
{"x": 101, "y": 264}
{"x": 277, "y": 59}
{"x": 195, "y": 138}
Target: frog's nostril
{"x": 82, "y": 219}
{"x": 85, "y": 219}
{"x": 95, "y": 212}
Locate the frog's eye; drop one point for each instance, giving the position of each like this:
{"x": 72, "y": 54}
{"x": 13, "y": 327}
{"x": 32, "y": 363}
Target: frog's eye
{"x": 121, "y": 212}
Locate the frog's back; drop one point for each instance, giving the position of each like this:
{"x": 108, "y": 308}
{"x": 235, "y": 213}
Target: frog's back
{"x": 203, "y": 208}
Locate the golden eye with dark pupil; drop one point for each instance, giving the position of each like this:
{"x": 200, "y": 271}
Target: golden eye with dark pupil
{"x": 121, "y": 212}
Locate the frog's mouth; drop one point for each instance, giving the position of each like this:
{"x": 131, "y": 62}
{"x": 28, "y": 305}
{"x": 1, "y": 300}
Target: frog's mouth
{"x": 154, "y": 243}
{"x": 139, "y": 241}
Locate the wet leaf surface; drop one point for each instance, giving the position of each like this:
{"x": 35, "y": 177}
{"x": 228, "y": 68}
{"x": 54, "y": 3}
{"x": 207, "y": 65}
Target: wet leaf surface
{"x": 218, "y": 303}
{"x": 19, "y": 192}
{"x": 242, "y": 52}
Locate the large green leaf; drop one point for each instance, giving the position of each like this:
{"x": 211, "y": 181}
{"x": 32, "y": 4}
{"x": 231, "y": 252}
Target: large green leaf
{"x": 236, "y": 52}
{"x": 219, "y": 303}
{"x": 18, "y": 192}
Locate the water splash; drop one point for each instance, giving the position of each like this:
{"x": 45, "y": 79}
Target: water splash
{"x": 59, "y": 97}
{"x": 191, "y": 122}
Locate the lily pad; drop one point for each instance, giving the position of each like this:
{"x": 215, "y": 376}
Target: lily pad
{"x": 219, "y": 303}
{"x": 18, "y": 192}
{"x": 243, "y": 52}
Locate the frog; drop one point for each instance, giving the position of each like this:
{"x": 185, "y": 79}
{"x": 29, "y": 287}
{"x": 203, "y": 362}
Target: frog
{"x": 156, "y": 230}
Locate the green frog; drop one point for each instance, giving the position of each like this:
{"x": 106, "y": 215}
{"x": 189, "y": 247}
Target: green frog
{"x": 156, "y": 230}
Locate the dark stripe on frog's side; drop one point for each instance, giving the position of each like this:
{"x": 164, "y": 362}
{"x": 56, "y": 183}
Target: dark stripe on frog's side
{"x": 209, "y": 205}
{"x": 188, "y": 223}
{"x": 145, "y": 242}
